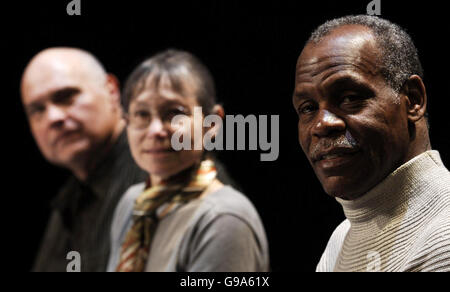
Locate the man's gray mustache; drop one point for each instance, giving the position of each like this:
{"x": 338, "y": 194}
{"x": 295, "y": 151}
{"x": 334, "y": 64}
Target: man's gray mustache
{"x": 344, "y": 141}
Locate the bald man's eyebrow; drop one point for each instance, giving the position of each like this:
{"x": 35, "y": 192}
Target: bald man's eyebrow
{"x": 60, "y": 96}
{"x": 34, "y": 107}
{"x": 64, "y": 95}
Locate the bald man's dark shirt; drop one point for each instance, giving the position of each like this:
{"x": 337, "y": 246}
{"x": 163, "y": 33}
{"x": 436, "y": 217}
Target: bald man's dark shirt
{"x": 82, "y": 213}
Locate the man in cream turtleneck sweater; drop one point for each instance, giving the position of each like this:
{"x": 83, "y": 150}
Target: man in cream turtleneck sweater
{"x": 362, "y": 124}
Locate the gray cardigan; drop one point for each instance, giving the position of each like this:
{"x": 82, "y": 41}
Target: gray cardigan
{"x": 221, "y": 232}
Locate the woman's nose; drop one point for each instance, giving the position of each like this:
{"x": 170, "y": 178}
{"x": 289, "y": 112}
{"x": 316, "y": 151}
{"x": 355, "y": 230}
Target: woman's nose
{"x": 156, "y": 128}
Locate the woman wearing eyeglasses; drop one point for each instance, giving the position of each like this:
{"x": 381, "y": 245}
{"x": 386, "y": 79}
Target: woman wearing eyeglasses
{"x": 183, "y": 219}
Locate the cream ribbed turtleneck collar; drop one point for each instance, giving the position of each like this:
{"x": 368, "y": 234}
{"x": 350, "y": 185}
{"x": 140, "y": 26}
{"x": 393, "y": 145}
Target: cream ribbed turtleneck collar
{"x": 396, "y": 194}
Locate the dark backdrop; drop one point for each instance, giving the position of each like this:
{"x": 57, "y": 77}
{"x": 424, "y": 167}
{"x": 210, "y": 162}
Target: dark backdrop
{"x": 251, "y": 48}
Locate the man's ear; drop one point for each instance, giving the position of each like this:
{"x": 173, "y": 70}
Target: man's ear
{"x": 113, "y": 88}
{"x": 416, "y": 98}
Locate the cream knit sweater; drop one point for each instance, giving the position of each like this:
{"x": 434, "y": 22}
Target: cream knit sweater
{"x": 403, "y": 224}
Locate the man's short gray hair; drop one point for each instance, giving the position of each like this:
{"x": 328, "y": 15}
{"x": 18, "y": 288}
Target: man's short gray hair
{"x": 400, "y": 58}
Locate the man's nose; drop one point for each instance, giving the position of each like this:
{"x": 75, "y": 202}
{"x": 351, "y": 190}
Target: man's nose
{"x": 326, "y": 123}
{"x": 156, "y": 128}
{"x": 55, "y": 115}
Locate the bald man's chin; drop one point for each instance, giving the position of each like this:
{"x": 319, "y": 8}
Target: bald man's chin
{"x": 67, "y": 155}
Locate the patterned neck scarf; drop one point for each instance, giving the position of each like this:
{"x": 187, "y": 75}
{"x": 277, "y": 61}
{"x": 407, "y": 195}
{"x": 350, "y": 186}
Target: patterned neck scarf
{"x": 187, "y": 186}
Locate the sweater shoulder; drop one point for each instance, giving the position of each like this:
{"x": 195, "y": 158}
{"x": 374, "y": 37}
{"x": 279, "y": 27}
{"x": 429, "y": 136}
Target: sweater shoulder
{"x": 432, "y": 251}
{"x": 438, "y": 229}
{"x": 224, "y": 203}
{"x": 124, "y": 209}
{"x": 227, "y": 200}
{"x": 334, "y": 245}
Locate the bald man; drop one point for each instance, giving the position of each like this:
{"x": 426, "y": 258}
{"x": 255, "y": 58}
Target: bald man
{"x": 73, "y": 109}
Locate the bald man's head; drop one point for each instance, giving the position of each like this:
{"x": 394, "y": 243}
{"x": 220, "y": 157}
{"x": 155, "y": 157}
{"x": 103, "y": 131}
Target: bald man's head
{"x": 72, "y": 104}
{"x": 61, "y": 61}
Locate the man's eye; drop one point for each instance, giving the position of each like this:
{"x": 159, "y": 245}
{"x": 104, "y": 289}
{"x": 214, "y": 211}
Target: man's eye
{"x": 65, "y": 96}
{"x": 351, "y": 98}
{"x": 353, "y": 102}
{"x": 36, "y": 111}
{"x": 306, "y": 109}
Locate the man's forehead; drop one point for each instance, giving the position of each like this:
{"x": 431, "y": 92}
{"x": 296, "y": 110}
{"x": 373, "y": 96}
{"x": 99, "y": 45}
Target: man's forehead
{"x": 327, "y": 66}
{"x": 341, "y": 48}
{"x": 52, "y": 71}
{"x": 47, "y": 78}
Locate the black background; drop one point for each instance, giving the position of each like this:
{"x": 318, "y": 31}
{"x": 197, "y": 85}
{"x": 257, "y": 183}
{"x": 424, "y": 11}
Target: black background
{"x": 251, "y": 48}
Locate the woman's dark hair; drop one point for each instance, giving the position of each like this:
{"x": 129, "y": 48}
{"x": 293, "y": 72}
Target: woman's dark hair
{"x": 173, "y": 64}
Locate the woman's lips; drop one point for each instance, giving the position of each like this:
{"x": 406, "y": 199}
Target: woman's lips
{"x": 158, "y": 151}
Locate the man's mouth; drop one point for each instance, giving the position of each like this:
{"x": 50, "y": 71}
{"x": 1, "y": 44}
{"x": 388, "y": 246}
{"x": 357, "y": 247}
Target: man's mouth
{"x": 66, "y": 137}
{"x": 330, "y": 156}
{"x": 335, "y": 159}
{"x": 334, "y": 153}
